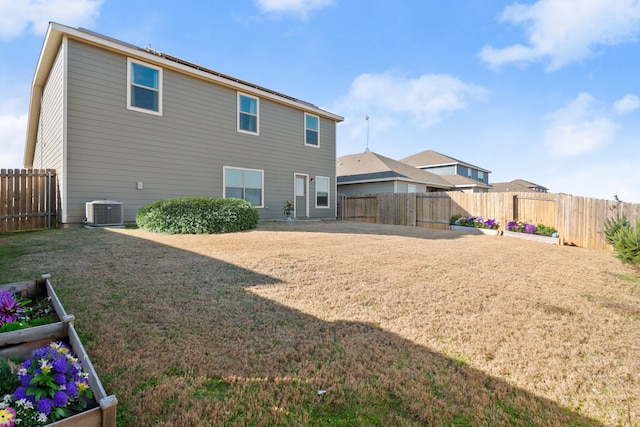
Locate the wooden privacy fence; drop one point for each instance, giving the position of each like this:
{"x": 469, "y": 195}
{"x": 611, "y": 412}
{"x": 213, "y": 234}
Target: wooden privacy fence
{"x": 27, "y": 199}
{"x": 579, "y": 220}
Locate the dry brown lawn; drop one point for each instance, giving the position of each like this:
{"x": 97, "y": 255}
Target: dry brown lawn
{"x": 398, "y": 325}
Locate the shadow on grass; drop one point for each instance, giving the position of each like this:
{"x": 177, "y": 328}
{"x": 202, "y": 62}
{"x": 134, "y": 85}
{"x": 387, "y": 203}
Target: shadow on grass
{"x": 363, "y": 228}
{"x": 181, "y": 340}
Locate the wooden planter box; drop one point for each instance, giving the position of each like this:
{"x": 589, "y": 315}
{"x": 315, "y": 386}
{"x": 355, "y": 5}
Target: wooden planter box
{"x": 104, "y": 412}
{"x": 534, "y": 237}
{"x": 38, "y": 335}
{"x": 474, "y": 230}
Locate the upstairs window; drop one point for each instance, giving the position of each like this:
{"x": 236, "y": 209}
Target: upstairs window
{"x": 144, "y": 87}
{"x": 311, "y": 130}
{"x": 244, "y": 184}
{"x": 248, "y": 107}
{"x": 322, "y": 192}
{"x": 480, "y": 176}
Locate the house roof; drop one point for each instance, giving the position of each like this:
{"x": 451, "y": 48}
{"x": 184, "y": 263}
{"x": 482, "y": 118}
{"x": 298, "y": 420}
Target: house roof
{"x": 55, "y": 35}
{"x": 373, "y": 167}
{"x": 430, "y": 158}
{"x": 517, "y": 185}
{"x": 459, "y": 181}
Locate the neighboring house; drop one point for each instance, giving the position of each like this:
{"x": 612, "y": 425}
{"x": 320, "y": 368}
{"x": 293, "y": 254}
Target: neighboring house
{"x": 373, "y": 173}
{"x": 518, "y": 185}
{"x": 462, "y": 175}
{"x": 135, "y": 125}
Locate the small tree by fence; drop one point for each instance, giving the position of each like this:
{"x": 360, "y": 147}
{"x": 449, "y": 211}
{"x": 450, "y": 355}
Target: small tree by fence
{"x": 580, "y": 221}
{"x": 27, "y": 199}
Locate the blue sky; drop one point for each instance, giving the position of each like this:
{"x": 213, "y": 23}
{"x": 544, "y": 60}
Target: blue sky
{"x": 547, "y": 91}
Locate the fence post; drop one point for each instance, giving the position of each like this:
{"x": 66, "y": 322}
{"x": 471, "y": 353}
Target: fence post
{"x": 48, "y": 199}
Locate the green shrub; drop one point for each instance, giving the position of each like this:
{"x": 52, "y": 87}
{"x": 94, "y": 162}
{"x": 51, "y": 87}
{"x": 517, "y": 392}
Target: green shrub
{"x": 625, "y": 241}
{"x": 197, "y": 215}
{"x": 613, "y": 225}
{"x": 545, "y": 230}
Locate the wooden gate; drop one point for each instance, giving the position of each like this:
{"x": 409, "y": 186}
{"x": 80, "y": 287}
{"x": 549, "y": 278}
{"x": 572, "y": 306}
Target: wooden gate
{"x": 433, "y": 210}
{"x": 27, "y": 199}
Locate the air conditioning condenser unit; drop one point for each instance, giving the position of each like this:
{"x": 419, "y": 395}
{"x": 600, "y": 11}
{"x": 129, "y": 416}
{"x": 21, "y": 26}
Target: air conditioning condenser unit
{"x": 103, "y": 213}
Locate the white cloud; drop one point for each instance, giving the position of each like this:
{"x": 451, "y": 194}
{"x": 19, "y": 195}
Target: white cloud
{"x": 299, "y": 8}
{"x": 562, "y": 32}
{"x": 426, "y": 99}
{"x": 396, "y": 103}
{"x": 19, "y": 16}
{"x": 13, "y": 131}
{"x": 579, "y": 128}
{"x": 626, "y": 104}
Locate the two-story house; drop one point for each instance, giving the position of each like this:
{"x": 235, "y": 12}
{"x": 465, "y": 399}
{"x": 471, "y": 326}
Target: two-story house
{"x": 462, "y": 175}
{"x": 135, "y": 125}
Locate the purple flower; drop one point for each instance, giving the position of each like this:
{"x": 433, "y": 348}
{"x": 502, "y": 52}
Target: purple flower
{"x": 20, "y": 393}
{"x": 74, "y": 370}
{"x": 10, "y": 309}
{"x": 72, "y": 389}
{"x": 512, "y": 226}
{"x": 25, "y": 379}
{"x": 59, "y": 379}
{"x": 27, "y": 364}
{"x": 60, "y": 365}
{"x": 530, "y": 228}
{"x": 60, "y": 399}
{"x": 490, "y": 223}
{"x": 45, "y": 405}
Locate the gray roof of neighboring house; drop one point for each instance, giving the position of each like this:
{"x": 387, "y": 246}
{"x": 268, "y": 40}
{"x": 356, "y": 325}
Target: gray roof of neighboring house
{"x": 372, "y": 167}
{"x": 460, "y": 181}
{"x": 516, "y": 185}
{"x": 433, "y": 158}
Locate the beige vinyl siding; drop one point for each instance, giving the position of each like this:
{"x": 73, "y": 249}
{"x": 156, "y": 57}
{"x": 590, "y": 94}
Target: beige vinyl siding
{"x": 441, "y": 170}
{"x": 367, "y": 188}
{"x": 182, "y": 152}
{"x": 403, "y": 187}
{"x": 49, "y": 148}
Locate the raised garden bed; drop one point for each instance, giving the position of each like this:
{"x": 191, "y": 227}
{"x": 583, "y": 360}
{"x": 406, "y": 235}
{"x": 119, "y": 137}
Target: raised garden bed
{"x": 37, "y": 334}
{"x": 21, "y": 343}
{"x": 534, "y": 237}
{"x": 475, "y": 230}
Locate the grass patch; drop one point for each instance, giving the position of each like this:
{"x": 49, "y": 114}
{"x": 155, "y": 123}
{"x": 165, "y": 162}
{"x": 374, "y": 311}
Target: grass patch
{"x": 213, "y": 388}
{"x": 246, "y": 328}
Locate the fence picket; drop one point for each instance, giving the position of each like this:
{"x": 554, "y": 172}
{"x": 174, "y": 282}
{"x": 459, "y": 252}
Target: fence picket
{"x": 579, "y": 220}
{"x": 25, "y": 199}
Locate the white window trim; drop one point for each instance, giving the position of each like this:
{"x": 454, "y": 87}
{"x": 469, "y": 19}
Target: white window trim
{"x": 305, "y": 130}
{"x": 248, "y": 132}
{"x": 160, "y": 79}
{"x": 328, "y": 192}
{"x": 224, "y": 181}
